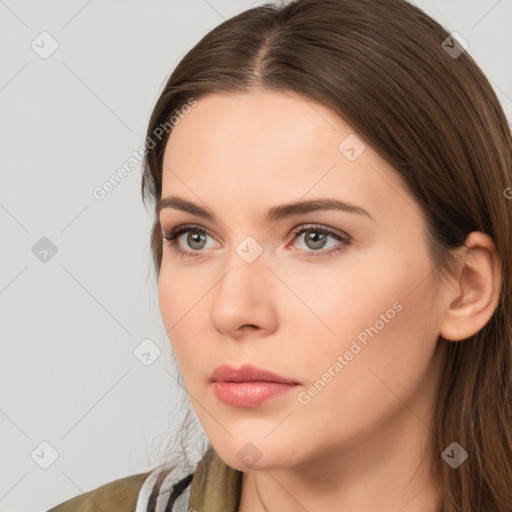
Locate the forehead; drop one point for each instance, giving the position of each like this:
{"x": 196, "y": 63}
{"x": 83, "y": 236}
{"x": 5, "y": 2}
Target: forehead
{"x": 250, "y": 119}
{"x": 271, "y": 147}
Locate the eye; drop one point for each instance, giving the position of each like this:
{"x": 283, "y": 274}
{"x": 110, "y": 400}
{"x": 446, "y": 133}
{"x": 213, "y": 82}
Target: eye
{"x": 194, "y": 237}
{"x": 315, "y": 240}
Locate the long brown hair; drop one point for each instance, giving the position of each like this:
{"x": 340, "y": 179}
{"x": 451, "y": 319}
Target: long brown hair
{"x": 385, "y": 68}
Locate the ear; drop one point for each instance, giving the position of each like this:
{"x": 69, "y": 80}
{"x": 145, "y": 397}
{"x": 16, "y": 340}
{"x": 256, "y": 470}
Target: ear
{"x": 474, "y": 295}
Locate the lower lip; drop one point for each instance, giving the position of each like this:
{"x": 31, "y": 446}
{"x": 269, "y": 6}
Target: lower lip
{"x": 249, "y": 394}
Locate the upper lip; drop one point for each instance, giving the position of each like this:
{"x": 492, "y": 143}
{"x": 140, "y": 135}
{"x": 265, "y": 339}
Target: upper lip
{"x": 246, "y": 373}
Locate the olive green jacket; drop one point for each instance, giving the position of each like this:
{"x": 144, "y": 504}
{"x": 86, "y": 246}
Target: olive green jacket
{"x": 117, "y": 496}
{"x": 212, "y": 487}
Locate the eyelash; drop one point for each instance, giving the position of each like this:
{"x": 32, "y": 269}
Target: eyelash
{"x": 171, "y": 239}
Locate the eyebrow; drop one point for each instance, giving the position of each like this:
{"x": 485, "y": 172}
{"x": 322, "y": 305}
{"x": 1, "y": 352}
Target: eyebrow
{"x": 274, "y": 213}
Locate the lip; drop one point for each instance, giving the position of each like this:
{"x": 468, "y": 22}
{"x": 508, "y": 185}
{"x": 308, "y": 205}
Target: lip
{"x": 248, "y": 386}
{"x": 247, "y": 373}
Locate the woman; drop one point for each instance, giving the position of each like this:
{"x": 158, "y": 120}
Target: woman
{"x": 332, "y": 238}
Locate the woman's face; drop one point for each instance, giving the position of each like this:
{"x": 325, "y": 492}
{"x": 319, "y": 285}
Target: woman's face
{"x": 341, "y": 301}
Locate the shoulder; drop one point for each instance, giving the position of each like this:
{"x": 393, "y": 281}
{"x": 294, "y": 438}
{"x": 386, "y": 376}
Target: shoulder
{"x": 117, "y": 496}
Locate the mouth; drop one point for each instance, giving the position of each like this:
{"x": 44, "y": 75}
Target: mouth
{"x": 247, "y": 373}
{"x": 248, "y": 386}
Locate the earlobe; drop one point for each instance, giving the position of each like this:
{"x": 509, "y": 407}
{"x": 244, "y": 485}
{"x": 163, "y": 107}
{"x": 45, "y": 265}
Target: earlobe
{"x": 474, "y": 296}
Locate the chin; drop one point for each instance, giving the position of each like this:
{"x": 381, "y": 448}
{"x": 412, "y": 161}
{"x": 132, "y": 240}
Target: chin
{"x": 252, "y": 456}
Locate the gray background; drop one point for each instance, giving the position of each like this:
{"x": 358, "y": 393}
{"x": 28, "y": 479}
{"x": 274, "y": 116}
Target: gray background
{"x": 71, "y": 322}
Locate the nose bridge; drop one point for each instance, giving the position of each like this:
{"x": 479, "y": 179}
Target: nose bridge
{"x": 242, "y": 295}
{"x": 242, "y": 276}
{"x": 245, "y": 266}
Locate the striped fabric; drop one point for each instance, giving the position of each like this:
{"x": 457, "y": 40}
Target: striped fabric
{"x": 213, "y": 487}
{"x": 162, "y": 501}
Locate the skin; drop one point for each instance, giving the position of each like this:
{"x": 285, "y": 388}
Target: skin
{"x": 359, "y": 443}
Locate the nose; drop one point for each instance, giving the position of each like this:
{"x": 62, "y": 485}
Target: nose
{"x": 242, "y": 302}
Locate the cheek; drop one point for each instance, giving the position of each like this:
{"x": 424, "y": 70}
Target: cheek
{"x": 183, "y": 308}
{"x": 376, "y": 312}
{"x": 385, "y": 337}
{"x": 380, "y": 379}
